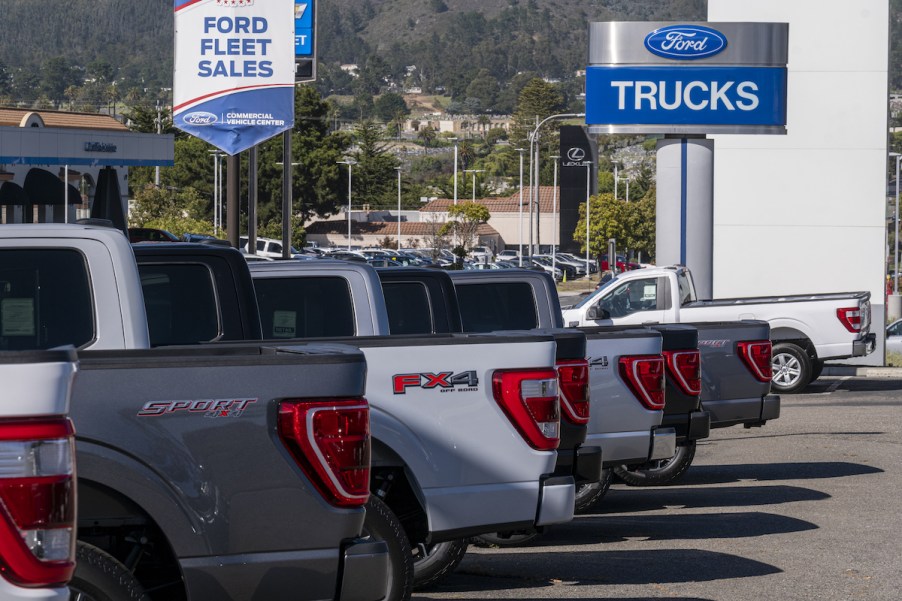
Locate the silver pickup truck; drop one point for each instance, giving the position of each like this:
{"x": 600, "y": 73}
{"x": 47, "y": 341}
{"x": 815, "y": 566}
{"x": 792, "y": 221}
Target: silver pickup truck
{"x": 465, "y": 427}
{"x": 37, "y": 469}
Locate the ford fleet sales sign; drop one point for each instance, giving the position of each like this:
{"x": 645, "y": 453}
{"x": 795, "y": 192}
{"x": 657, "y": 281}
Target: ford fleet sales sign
{"x": 687, "y": 78}
{"x": 234, "y": 70}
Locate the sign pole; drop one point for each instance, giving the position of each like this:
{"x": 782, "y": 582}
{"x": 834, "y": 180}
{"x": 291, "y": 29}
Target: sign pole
{"x": 233, "y": 185}
{"x": 286, "y": 194}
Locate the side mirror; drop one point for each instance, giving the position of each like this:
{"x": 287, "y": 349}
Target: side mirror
{"x": 596, "y": 313}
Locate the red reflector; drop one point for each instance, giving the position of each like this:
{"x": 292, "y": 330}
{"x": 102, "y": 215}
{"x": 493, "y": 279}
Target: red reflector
{"x": 756, "y": 355}
{"x": 529, "y": 398}
{"x": 850, "y": 317}
{"x": 685, "y": 367}
{"x": 37, "y": 501}
{"x": 573, "y": 377}
{"x": 330, "y": 440}
{"x": 644, "y": 374}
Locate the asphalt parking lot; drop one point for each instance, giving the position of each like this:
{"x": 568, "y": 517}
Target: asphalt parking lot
{"x": 805, "y": 508}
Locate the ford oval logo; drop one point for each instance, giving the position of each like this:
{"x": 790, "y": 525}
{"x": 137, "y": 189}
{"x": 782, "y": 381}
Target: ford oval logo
{"x": 200, "y": 118}
{"x": 685, "y": 42}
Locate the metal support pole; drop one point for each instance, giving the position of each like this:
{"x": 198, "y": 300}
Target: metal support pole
{"x": 588, "y": 207}
{"x": 399, "y": 207}
{"x": 455, "y": 171}
{"x": 554, "y": 215}
{"x": 896, "y": 251}
{"x": 286, "y": 194}
{"x": 520, "y": 239}
{"x": 252, "y": 201}
{"x": 233, "y": 186}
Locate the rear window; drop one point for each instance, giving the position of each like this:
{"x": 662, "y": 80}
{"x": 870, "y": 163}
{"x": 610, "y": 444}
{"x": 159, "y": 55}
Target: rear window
{"x": 497, "y": 306}
{"x": 306, "y": 307}
{"x": 45, "y": 299}
{"x": 180, "y": 301}
{"x": 409, "y": 309}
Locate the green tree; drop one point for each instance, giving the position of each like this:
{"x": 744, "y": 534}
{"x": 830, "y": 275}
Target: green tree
{"x": 632, "y": 224}
{"x": 389, "y": 105}
{"x": 374, "y": 173}
{"x": 426, "y": 135}
{"x": 57, "y": 74}
{"x": 179, "y": 211}
{"x": 537, "y": 100}
{"x": 484, "y": 87}
{"x": 465, "y": 219}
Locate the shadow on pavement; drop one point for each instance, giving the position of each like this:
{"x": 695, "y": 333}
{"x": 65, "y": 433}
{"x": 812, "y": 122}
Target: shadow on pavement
{"x": 854, "y": 384}
{"x": 504, "y": 570}
{"x": 762, "y": 472}
{"x": 627, "y": 499}
{"x": 592, "y": 530}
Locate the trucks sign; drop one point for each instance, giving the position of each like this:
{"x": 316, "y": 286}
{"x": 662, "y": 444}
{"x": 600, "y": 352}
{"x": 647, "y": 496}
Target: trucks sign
{"x": 234, "y": 70}
{"x": 687, "y": 78}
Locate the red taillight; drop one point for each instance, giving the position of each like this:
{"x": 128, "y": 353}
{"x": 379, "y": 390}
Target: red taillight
{"x": 573, "y": 379}
{"x": 850, "y": 317}
{"x": 330, "y": 441}
{"x": 644, "y": 374}
{"x": 756, "y": 355}
{"x": 37, "y": 501}
{"x": 529, "y": 398}
{"x": 685, "y": 367}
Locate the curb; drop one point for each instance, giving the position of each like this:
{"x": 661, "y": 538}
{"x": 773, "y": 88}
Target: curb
{"x": 862, "y": 372}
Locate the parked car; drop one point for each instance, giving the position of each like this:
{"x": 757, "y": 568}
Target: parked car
{"x": 147, "y": 234}
{"x": 508, "y": 254}
{"x": 481, "y": 254}
{"x": 894, "y": 337}
{"x": 269, "y": 247}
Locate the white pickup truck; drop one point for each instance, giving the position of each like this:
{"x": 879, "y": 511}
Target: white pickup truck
{"x": 806, "y": 329}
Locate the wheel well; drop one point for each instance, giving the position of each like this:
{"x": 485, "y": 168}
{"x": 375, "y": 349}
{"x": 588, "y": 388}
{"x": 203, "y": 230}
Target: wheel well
{"x": 117, "y": 525}
{"x": 391, "y": 481}
{"x": 778, "y": 335}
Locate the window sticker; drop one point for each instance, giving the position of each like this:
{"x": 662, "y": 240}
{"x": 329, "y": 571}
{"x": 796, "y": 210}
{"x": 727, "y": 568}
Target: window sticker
{"x": 648, "y": 292}
{"x": 284, "y": 324}
{"x": 17, "y": 316}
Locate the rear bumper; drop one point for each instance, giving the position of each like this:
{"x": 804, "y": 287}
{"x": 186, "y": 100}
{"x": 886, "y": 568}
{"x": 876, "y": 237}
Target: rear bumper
{"x": 663, "y": 444}
{"x": 865, "y": 346}
{"x": 10, "y": 592}
{"x": 688, "y": 426}
{"x": 557, "y": 496}
{"x": 748, "y": 412}
{"x": 364, "y": 571}
{"x": 583, "y": 463}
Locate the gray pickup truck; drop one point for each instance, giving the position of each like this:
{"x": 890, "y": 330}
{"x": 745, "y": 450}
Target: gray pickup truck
{"x": 217, "y": 472}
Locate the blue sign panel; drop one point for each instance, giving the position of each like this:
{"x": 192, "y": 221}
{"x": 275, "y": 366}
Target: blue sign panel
{"x": 681, "y": 95}
{"x": 303, "y": 28}
{"x": 685, "y": 42}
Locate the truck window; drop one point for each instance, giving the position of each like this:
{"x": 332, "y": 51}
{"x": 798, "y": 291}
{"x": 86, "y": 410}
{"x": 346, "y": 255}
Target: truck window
{"x": 630, "y": 297}
{"x": 180, "y": 301}
{"x": 305, "y": 307}
{"x": 409, "y": 309}
{"x": 45, "y": 299}
{"x": 497, "y": 306}
{"x": 687, "y": 292}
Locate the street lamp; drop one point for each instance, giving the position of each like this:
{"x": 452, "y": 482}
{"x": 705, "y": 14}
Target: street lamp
{"x": 896, "y": 220}
{"x": 588, "y": 192}
{"x": 616, "y": 177}
{"x": 398, "y": 169}
{"x": 554, "y": 217}
{"x": 350, "y": 164}
{"x": 455, "y": 168}
{"x": 474, "y": 172}
{"x": 520, "y": 252}
{"x": 287, "y": 210}
{"x": 627, "y": 180}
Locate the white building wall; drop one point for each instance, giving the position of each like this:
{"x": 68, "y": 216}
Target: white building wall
{"x": 805, "y": 212}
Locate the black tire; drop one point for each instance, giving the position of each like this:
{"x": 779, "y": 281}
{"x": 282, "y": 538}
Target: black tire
{"x": 791, "y": 367}
{"x": 433, "y": 563}
{"x": 816, "y": 368}
{"x": 506, "y": 539}
{"x": 101, "y": 577}
{"x": 383, "y": 525}
{"x": 659, "y": 473}
{"x": 589, "y": 495}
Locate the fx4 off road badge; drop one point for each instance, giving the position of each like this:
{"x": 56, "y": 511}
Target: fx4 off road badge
{"x": 209, "y": 407}
{"x": 446, "y": 381}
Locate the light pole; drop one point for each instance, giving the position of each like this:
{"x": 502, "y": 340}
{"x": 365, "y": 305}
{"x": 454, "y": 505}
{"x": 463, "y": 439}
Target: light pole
{"x": 588, "y": 192}
{"x": 554, "y": 216}
{"x": 896, "y": 220}
{"x": 627, "y": 180}
{"x": 398, "y": 169}
{"x": 474, "y": 172}
{"x": 350, "y": 164}
{"x": 520, "y": 252}
{"x": 455, "y": 168}
{"x": 217, "y": 190}
{"x": 533, "y": 143}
